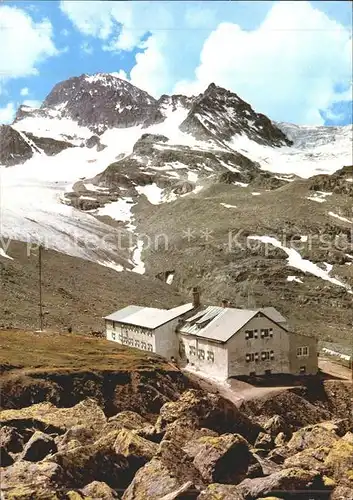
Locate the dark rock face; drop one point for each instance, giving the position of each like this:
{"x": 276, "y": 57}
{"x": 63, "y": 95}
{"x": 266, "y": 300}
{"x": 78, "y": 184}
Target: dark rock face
{"x": 39, "y": 446}
{"x": 220, "y": 114}
{"x": 50, "y": 147}
{"x": 341, "y": 182}
{"x": 10, "y": 439}
{"x": 13, "y": 147}
{"x": 102, "y": 101}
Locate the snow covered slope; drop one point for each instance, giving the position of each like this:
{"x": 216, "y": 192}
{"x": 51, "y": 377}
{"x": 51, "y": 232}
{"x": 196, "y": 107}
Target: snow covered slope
{"x": 160, "y": 151}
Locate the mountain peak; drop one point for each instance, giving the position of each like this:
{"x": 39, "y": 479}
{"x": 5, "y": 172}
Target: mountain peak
{"x": 222, "y": 114}
{"x": 101, "y": 101}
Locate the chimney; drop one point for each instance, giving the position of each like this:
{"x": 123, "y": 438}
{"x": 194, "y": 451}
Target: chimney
{"x": 225, "y": 303}
{"x": 196, "y": 297}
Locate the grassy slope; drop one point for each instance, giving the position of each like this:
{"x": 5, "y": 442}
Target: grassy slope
{"x": 28, "y": 351}
{"x": 76, "y": 293}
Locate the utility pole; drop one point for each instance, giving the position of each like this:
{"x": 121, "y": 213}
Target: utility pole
{"x": 40, "y": 288}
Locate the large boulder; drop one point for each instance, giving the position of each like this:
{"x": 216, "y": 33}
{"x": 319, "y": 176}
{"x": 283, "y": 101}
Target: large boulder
{"x": 286, "y": 480}
{"x": 39, "y": 446}
{"x": 98, "y": 461}
{"x": 275, "y": 425}
{"x": 221, "y": 492}
{"x": 5, "y": 457}
{"x": 309, "y": 459}
{"x": 135, "y": 448}
{"x": 46, "y": 416}
{"x": 264, "y": 441}
{"x": 127, "y": 420}
{"x": 28, "y": 480}
{"x": 339, "y": 462}
{"x": 342, "y": 493}
{"x": 224, "y": 459}
{"x": 168, "y": 471}
{"x": 312, "y": 436}
{"x": 207, "y": 410}
{"x": 98, "y": 490}
{"x": 10, "y": 439}
{"x": 183, "y": 432}
{"x": 338, "y": 426}
{"x": 77, "y": 435}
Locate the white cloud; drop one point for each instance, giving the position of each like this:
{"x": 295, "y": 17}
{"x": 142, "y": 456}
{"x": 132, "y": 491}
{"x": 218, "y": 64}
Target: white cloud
{"x": 86, "y": 48}
{"x": 24, "y": 91}
{"x": 120, "y": 74}
{"x": 32, "y": 103}
{"x": 27, "y": 43}
{"x": 288, "y": 68}
{"x": 7, "y": 113}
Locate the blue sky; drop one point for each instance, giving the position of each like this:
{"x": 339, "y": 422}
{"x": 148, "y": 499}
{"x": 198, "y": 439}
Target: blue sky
{"x": 290, "y": 60}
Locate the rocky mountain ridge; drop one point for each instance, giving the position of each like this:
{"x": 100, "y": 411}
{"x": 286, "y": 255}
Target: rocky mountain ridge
{"x": 198, "y": 171}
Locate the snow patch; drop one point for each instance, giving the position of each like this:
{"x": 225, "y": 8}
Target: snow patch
{"x": 294, "y": 278}
{"x": 153, "y": 193}
{"x": 170, "y": 278}
{"x": 241, "y": 184}
{"x": 192, "y": 176}
{"x": 228, "y": 206}
{"x": 118, "y": 210}
{"x": 295, "y": 260}
{"x": 107, "y": 263}
{"x": 136, "y": 258}
{"x": 4, "y": 254}
{"x": 343, "y": 219}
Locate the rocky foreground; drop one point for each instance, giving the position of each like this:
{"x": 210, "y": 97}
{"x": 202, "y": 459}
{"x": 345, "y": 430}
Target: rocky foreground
{"x": 200, "y": 446}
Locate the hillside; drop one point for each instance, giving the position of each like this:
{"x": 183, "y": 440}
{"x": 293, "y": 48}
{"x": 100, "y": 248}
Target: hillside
{"x": 76, "y": 293}
{"x": 106, "y": 173}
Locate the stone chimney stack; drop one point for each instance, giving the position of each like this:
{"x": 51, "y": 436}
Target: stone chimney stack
{"x": 196, "y": 297}
{"x": 224, "y": 303}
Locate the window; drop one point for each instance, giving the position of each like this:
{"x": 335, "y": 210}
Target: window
{"x": 113, "y": 335}
{"x": 302, "y": 352}
{"x": 137, "y": 344}
{"x": 192, "y": 350}
{"x": 210, "y": 356}
{"x": 265, "y": 355}
{"x": 268, "y": 372}
{"x": 125, "y": 340}
{"x": 254, "y": 356}
{"x": 143, "y": 345}
{"x": 249, "y": 334}
{"x": 149, "y": 347}
{"x": 131, "y": 342}
{"x": 201, "y": 354}
{"x": 303, "y": 369}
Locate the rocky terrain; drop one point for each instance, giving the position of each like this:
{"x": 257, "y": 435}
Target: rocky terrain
{"x": 197, "y": 445}
{"x": 194, "y": 190}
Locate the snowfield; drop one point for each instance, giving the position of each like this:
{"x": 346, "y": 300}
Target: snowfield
{"x": 316, "y": 150}
{"x": 32, "y": 208}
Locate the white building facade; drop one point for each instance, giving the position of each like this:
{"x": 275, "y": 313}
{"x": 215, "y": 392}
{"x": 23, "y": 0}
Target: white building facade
{"x": 147, "y": 328}
{"x": 228, "y": 342}
{"x": 220, "y": 342}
